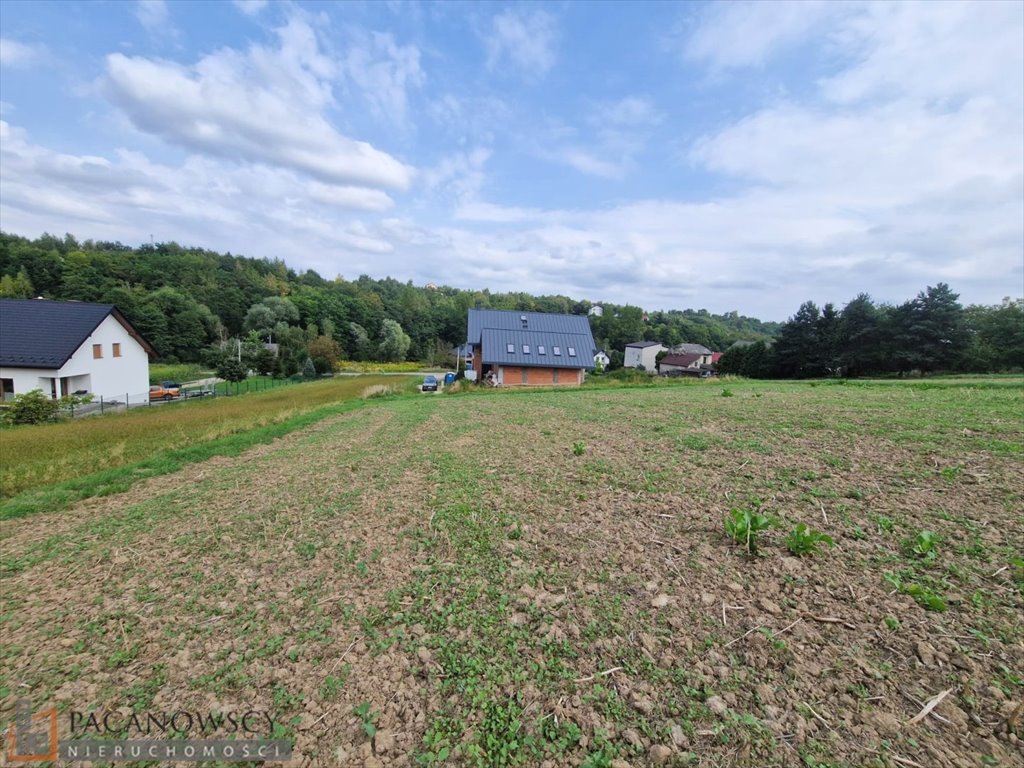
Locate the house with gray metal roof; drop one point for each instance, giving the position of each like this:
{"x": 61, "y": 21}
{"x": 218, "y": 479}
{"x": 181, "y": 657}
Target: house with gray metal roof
{"x": 512, "y": 348}
{"x": 68, "y": 347}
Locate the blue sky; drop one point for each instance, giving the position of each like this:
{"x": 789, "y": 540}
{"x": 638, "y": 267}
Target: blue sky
{"x": 729, "y": 156}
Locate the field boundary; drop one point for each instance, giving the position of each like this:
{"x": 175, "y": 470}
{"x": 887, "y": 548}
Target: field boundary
{"x": 52, "y": 498}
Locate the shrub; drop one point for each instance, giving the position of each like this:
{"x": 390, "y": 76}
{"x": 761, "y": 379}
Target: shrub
{"x": 32, "y": 408}
{"x": 805, "y": 541}
{"x": 230, "y": 369}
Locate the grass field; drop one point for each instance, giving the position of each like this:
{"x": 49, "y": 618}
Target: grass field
{"x": 544, "y": 579}
{"x": 35, "y": 457}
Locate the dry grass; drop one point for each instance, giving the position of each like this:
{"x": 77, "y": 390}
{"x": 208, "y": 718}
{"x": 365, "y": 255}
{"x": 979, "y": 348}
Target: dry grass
{"x": 40, "y": 455}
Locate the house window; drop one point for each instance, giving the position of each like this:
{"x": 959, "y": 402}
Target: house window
{"x": 526, "y": 349}
{"x": 97, "y": 351}
{"x": 6, "y": 388}
{"x": 572, "y": 351}
{"x": 510, "y": 348}
{"x": 540, "y": 349}
{"x": 557, "y": 351}
{"x": 117, "y": 349}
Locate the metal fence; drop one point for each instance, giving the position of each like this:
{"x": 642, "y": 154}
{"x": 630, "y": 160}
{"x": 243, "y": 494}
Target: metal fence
{"x": 189, "y": 394}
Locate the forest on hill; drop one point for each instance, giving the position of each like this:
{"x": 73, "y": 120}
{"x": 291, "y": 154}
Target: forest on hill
{"x": 190, "y": 303}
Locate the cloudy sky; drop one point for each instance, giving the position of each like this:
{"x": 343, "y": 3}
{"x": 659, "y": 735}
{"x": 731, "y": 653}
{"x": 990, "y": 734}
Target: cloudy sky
{"x": 728, "y": 156}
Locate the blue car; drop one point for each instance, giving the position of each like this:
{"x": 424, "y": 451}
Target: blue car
{"x": 429, "y": 384}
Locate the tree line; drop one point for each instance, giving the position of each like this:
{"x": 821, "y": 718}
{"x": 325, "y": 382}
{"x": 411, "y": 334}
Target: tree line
{"x": 931, "y": 332}
{"x": 197, "y": 305}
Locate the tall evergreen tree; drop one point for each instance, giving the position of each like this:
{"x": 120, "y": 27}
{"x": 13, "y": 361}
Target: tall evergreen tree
{"x": 797, "y": 353}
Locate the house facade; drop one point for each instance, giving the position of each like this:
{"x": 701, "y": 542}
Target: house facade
{"x": 517, "y": 349}
{"x": 68, "y": 347}
{"x": 644, "y": 354}
{"x": 705, "y": 354}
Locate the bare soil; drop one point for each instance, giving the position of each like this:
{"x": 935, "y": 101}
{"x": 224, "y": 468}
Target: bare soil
{"x": 544, "y": 579}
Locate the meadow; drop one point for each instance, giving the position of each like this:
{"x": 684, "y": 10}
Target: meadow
{"x": 89, "y": 455}
{"x": 547, "y": 578}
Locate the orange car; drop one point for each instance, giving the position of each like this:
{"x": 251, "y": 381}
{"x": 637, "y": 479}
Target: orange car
{"x": 160, "y": 392}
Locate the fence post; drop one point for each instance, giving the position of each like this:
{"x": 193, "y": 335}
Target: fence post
{"x": 101, "y": 405}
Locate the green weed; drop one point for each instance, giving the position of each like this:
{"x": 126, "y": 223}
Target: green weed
{"x": 805, "y": 541}
{"x": 744, "y": 527}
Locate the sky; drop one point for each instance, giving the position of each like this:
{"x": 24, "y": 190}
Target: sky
{"x": 729, "y": 156}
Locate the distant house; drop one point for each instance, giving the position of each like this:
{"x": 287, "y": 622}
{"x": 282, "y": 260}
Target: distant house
{"x": 64, "y": 347}
{"x": 602, "y": 359}
{"x": 706, "y": 355}
{"x": 684, "y": 363}
{"x": 597, "y": 310}
{"x": 515, "y": 349}
{"x": 644, "y": 354}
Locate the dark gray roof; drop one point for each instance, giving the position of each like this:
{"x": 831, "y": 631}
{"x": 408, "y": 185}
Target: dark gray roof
{"x": 510, "y": 320}
{"x": 495, "y": 348}
{"x": 644, "y": 344}
{"x": 38, "y": 333}
{"x": 691, "y": 349}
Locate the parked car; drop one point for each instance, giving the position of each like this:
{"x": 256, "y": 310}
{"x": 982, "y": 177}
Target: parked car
{"x": 170, "y": 385}
{"x": 429, "y": 384}
{"x": 160, "y": 392}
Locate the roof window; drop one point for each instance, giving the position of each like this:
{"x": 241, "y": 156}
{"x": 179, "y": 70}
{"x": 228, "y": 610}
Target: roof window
{"x": 510, "y": 347}
{"x": 557, "y": 351}
{"x": 526, "y": 349}
{"x": 572, "y": 351}
{"x": 540, "y": 349}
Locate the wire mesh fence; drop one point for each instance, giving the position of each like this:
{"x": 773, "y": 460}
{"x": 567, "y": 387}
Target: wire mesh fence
{"x": 161, "y": 396}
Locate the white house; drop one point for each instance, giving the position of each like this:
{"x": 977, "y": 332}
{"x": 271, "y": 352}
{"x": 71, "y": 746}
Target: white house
{"x": 705, "y": 354}
{"x": 601, "y": 359}
{"x": 596, "y": 311}
{"x": 64, "y": 347}
{"x": 643, "y": 353}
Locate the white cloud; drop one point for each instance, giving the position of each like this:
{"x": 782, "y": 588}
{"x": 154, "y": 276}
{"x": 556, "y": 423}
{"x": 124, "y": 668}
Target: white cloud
{"x": 942, "y": 52}
{"x": 586, "y": 162}
{"x": 265, "y": 105}
{"x": 743, "y": 34}
{"x": 250, "y": 7}
{"x": 16, "y": 54}
{"x": 152, "y": 14}
{"x": 385, "y": 72}
{"x": 263, "y": 210}
{"x": 632, "y": 111}
{"x": 526, "y": 38}
{"x": 350, "y": 198}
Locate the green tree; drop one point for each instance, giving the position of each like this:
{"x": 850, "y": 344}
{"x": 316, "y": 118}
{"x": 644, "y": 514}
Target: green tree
{"x": 394, "y": 342}
{"x": 325, "y": 353}
{"x": 309, "y": 369}
{"x": 230, "y": 369}
{"x": 929, "y": 331}
{"x": 17, "y": 287}
{"x": 859, "y": 338}
{"x": 798, "y": 351}
{"x": 359, "y": 342}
